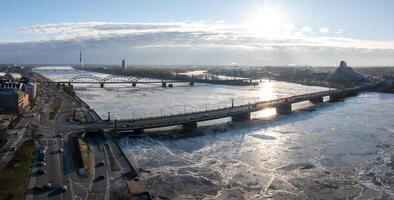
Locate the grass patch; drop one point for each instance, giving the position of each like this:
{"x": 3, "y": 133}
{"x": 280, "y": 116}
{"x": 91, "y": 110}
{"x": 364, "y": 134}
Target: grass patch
{"x": 51, "y": 108}
{"x": 82, "y": 156}
{"x": 14, "y": 178}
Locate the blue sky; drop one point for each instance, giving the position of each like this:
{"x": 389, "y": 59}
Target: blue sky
{"x": 200, "y": 32}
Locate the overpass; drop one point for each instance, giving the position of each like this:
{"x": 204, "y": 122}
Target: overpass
{"x": 237, "y": 113}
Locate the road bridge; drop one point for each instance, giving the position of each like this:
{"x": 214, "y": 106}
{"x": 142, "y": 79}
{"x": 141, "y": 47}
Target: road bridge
{"x": 241, "y": 112}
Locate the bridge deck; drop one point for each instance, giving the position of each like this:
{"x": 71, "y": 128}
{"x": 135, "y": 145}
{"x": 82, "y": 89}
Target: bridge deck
{"x": 163, "y": 121}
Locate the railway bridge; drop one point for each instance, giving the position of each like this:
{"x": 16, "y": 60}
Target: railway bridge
{"x": 112, "y": 79}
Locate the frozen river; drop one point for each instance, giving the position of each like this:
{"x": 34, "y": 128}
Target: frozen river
{"x": 341, "y": 150}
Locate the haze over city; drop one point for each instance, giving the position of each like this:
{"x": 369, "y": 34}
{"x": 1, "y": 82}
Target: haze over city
{"x": 223, "y": 32}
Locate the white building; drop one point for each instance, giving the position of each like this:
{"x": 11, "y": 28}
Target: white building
{"x": 31, "y": 89}
{"x": 12, "y": 76}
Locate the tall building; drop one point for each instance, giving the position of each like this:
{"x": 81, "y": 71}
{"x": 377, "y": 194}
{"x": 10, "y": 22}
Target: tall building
{"x": 13, "y": 101}
{"x": 31, "y": 89}
{"x": 124, "y": 65}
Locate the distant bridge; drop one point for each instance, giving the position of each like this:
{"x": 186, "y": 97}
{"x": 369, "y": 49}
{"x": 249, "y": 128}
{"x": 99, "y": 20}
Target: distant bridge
{"x": 111, "y": 79}
{"x": 241, "y": 112}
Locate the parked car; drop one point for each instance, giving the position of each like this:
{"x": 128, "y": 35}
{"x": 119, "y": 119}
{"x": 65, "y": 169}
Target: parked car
{"x": 41, "y": 164}
{"x": 64, "y": 188}
{"x": 61, "y": 150}
{"x": 41, "y": 172}
{"x": 47, "y": 186}
{"x": 99, "y": 178}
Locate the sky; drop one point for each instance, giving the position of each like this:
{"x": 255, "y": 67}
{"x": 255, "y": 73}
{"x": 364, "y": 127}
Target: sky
{"x": 204, "y": 32}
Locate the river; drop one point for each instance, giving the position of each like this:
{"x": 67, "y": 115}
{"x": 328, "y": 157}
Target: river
{"x": 342, "y": 150}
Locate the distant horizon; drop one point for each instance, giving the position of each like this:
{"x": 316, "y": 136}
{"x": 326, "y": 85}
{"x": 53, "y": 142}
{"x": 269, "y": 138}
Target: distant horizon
{"x": 185, "y": 65}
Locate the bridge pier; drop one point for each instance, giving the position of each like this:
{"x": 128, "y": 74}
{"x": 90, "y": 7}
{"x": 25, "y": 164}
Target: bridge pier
{"x": 241, "y": 117}
{"x": 336, "y": 97}
{"x": 284, "y": 108}
{"x": 134, "y": 84}
{"x": 101, "y": 85}
{"x": 191, "y": 83}
{"x": 164, "y": 84}
{"x": 69, "y": 84}
{"x": 189, "y": 126}
{"x": 316, "y": 100}
{"x": 352, "y": 93}
{"x": 138, "y": 131}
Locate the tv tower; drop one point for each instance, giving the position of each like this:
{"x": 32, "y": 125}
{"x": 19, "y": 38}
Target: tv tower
{"x": 80, "y": 58}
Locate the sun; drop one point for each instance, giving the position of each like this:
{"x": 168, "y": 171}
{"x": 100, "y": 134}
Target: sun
{"x": 269, "y": 22}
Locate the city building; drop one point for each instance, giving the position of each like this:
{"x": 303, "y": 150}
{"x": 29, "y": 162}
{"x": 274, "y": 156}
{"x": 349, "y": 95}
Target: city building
{"x": 31, "y": 89}
{"x": 124, "y": 65}
{"x": 13, "y": 101}
{"x": 347, "y": 76}
{"x": 12, "y": 76}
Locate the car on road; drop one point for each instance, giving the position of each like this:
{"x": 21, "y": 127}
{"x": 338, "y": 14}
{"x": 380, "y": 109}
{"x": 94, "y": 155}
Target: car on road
{"x": 41, "y": 172}
{"x": 47, "y": 186}
{"x": 43, "y": 152}
{"x": 64, "y": 188}
{"x": 61, "y": 150}
{"x": 60, "y": 135}
{"x": 13, "y": 149}
{"x": 41, "y": 164}
{"x": 99, "y": 178}
{"x": 41, "y": 158}
{"x": 100, "y": 164}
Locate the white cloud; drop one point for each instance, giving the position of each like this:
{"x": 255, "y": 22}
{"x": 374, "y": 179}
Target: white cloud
{"x": 324, "y": 30}
{"x": 339, "y": 31}
{"x": 306, "y": 29}
{"x": 195, "y": 40}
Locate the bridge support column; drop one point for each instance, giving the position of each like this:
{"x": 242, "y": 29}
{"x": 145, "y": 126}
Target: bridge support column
{"x": 241, "y": 117}
{"x": 163, "y": 84}
{"x": 134, "y": 84}
{"x": 138, "y": 131}
{"x": 336, "y": 97}
{"x": 191, "y": 83}
{"x": 316, "y": 100}
{"x": 352, "y": 93}
{"x": 284, "y": 108}
{"x": 189, "y": 126}
{"x": 69, "y": 84}
{"x": 101, "y": 85}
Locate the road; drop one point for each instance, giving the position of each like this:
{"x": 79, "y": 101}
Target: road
{"x": 60, "y": 167}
